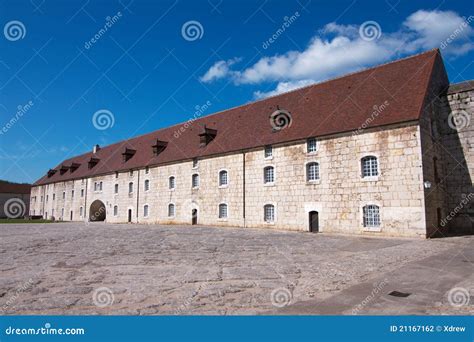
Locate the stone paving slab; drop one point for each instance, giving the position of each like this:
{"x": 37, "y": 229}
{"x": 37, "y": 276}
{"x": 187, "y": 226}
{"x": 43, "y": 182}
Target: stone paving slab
{"x": 73, "y": 268}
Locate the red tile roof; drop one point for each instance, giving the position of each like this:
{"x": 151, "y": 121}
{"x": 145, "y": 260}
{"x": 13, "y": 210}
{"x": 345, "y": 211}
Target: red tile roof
{"x": 14, "y": 188}
{"x": 339, "y": 105}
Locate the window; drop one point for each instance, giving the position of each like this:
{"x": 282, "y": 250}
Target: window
{"x": 95, "y": 186}
{"x": 195, "y": 163}
{"x": 116, "y": 174}
{"x": 64, "y": 195}
{"x": 100, "y": 186}
{"x": 147, "y": 185}
{"x": 116, "y": 187}
{"x": 195, "y": 181}
{"x": 115, "y": 210}
{"x": 371, "y": 216}
{"x": 369, "y": 166}
{"x": 268, "y": 151}
{"x": 147, "y": 170}
{"x": 52, "y": 212}
{"x": 269, "y": 213}
{"x": 62, "y": 213}
{"x": 311, "y": 145}
{"x": 145, "y": 210}
{"x": 54, "y": 197}
{"x": 312, "y": 171}
{"x": 82, "y": 192}
{"x": 223, "y": 178}
{"x": 268, "y": 175}
{"x": 72, "y": 194}
{"x": 171, "y": 210}
{"x": 222, "y": 211}
{"x": 80, "y": 211}
{"x": 172, "y": 183}
{"x": 130, "y": 187}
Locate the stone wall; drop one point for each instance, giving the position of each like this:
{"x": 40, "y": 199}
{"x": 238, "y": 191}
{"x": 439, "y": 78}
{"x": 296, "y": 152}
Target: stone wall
{"x": 458, "y": 144}
{"x": 338, "y": 196}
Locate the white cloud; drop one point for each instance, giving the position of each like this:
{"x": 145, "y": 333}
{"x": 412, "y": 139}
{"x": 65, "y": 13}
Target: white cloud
{"x": 219, "y": 70}
{"x": 341, "y": 49}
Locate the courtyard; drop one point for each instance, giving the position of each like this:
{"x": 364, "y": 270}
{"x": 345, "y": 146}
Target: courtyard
{"x": 79, "y": 268}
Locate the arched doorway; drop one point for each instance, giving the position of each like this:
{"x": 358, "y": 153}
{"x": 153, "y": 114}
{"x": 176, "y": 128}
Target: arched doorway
{"x": 313, "y": 221}
{"x": 97, "y": 211}
{"x": 194, "y": 216}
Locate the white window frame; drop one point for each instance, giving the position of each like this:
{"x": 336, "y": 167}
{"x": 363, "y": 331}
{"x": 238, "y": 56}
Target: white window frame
{"x": 367, "y": 228}
{"x": 265, "y": 152}
{"x": 274, "y": 213}
{"x": 198, "y": 180}
{"x": 264, "y": 175}
{"x": 307, "y": 146}
{"x": 314, "y": 181}
{"x": 361, "y": 167}
{"x": 174, "y": 209}
{"x": 169, "y": 183}
{"x": 219, "y": 211}
{"x": 219, "y": 178}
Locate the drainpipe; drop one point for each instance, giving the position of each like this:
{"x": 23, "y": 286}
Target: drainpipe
{"x": 138, "y": 193}
{"x": 85, "y": 200}
{"x": 44, "y": 197}
{"x": 243, "y": 187}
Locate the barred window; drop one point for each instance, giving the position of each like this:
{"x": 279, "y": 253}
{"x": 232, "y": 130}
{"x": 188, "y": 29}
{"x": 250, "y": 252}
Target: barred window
{"x": 269, "y": 213}
{"x": 369, "y": 166}
{"x": 268, "y": 151}
{"x": 170, "y": 209}
{"x": 222, "y": 210}
{"x": 147, "y": 185}
{"x": 371, "y": 216}
{"x": 195, "y": 181}
{"x": 312, "y": 171}
{"x": 311, "y": 145}
{"x": 115, "y": 210}
{"x": 268, "y": 174}
{"x": 145, "y": 210}
{"x": 223, "y": 178}
{"x": 171, "y": 182}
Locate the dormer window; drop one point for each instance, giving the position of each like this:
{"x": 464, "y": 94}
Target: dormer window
{"x": 207, "y": 136}
{"x": 63, "y": 169}
{"x": 51, "y": 172}
{"x": 128, "y": 154}
{"x": 74, "y": 167}
{"x": 92, "y": 162}
{"x": 159, "y": 147}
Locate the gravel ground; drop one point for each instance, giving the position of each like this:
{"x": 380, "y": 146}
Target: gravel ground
{"x": 73, "y": 268}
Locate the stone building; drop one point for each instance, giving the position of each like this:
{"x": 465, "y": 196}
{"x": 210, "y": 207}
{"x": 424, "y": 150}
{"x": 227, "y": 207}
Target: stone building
{"x": 14, "y": 199}
{"x": 385, "y": 151}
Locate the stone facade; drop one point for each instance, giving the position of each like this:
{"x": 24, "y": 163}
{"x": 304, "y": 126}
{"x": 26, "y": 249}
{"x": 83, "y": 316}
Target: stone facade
{"x": 338, "y": 196}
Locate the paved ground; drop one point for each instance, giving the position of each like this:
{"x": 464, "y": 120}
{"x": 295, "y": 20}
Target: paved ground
{"x": 73, "y": 268}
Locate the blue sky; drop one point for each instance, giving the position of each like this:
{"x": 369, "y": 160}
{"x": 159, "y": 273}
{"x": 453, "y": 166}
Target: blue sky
{"x": 144, "y": 65}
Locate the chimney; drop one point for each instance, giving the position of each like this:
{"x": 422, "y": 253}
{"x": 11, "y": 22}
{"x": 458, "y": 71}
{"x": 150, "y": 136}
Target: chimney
{"x": 95, "y": 148}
